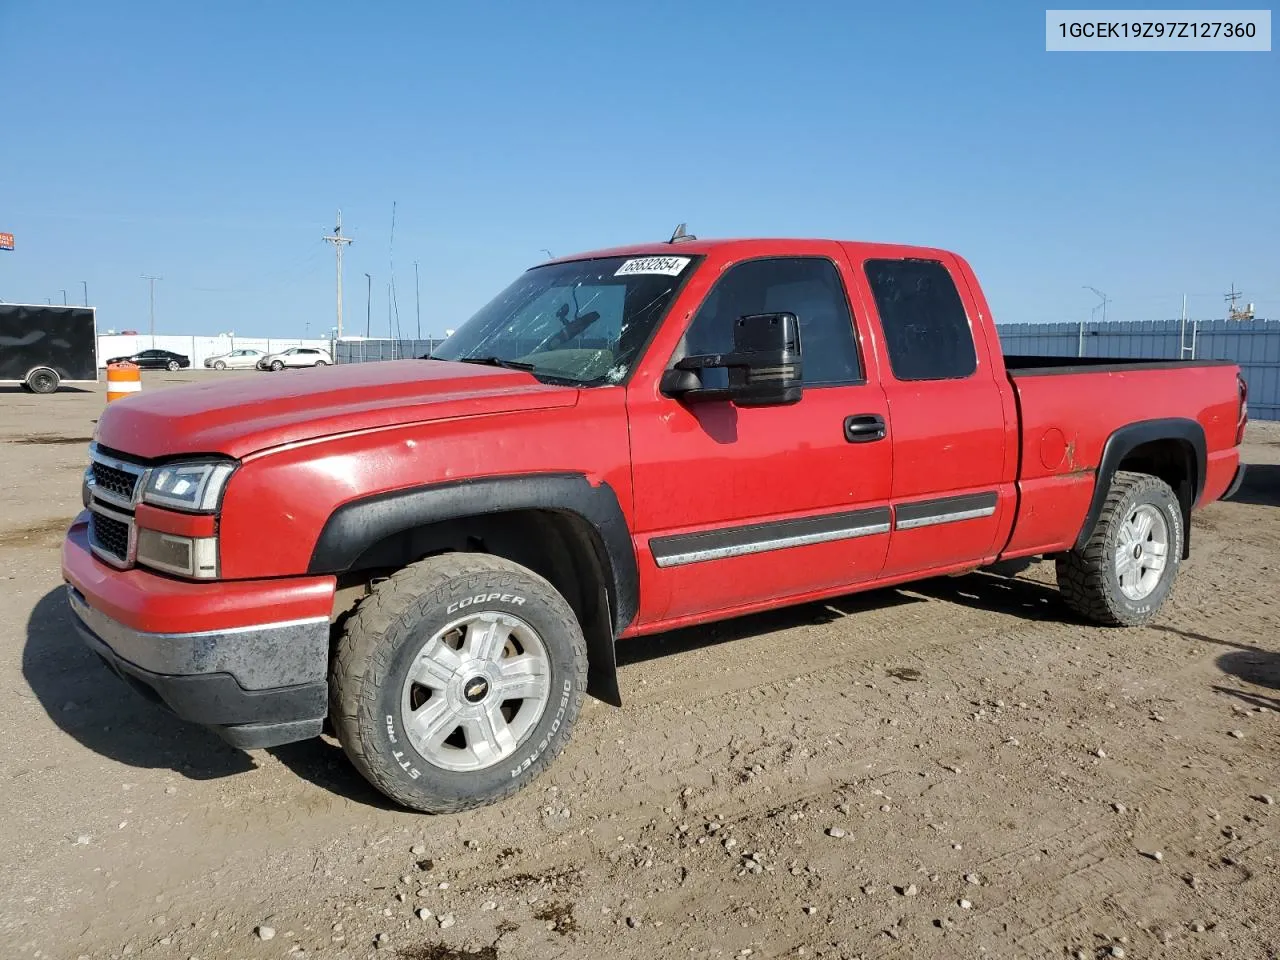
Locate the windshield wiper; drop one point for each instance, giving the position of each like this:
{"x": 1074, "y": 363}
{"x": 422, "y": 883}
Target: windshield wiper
{"x": 498, "y": 362}
{"x": 514, "y": 365}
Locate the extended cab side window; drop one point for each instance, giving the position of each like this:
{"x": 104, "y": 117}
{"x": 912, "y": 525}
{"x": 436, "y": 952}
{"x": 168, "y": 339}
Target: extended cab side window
{"x": 926, "y": 330}
{"x": 809, "y": 287}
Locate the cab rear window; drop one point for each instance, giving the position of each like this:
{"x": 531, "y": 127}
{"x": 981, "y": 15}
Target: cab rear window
{"x": 926, "y": 330}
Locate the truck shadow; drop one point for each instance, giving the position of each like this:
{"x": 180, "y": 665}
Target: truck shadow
{"x": 92, "y": 705}
{"x": 95, "y": 707}
{"x": 998, "y": 592}
{"x": 1261, "y": 485}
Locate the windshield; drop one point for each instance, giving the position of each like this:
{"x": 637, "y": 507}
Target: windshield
{"x": 585, "y": 321}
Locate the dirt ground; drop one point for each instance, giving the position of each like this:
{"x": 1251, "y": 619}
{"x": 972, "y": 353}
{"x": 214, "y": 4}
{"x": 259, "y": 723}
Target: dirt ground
{"x": 957, "y": 769}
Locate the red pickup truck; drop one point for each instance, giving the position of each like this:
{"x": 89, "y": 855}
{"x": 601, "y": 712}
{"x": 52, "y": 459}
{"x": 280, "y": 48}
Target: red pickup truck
{"x": 434, "y": 558}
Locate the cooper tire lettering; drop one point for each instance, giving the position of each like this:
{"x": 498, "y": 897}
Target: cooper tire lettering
{"x": 512, "y": 598}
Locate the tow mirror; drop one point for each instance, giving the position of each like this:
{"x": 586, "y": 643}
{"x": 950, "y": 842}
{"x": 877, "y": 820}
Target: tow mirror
{"x": 764, "y": 369}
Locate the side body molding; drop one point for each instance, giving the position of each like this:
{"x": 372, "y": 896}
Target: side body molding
{"x": 1128, "y": 438}
{"x": 356, "y": 526}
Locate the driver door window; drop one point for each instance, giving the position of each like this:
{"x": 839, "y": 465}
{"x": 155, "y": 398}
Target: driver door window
{"x": 810, "y": 288}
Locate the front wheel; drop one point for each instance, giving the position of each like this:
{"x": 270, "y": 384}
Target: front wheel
{"x": 219, "y": 365}
{"x": 1126, "y": 570}
{"x": 457, "y": 681}
{"x": 277, "y": 365}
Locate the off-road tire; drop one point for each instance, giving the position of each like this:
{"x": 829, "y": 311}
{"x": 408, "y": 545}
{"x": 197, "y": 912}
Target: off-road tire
{"x": 385, "y": 633}
{"x": 43, "y": 380}
{"x": 1087, "y": 576}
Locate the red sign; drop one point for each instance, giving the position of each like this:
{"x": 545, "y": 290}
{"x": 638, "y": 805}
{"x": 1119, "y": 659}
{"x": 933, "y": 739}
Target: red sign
{"x": 6, "y": 241}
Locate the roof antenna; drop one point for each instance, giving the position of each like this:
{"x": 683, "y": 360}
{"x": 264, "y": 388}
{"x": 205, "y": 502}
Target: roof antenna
{"x": 679, "y": 236}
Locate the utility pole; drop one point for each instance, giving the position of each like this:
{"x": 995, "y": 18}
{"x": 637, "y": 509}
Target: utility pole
{"x": 85, "y": 284}
{"x": 64, "y": 298}
{"x": 338, "y": 241}
{"x": 368, "y": 299}
{"x": 1101, "y": 296}
{"x": 417, "y": 299}
{"x": 153, "y": 305}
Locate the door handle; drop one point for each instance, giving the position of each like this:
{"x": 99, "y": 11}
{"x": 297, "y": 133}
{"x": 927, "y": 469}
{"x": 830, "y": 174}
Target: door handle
{"x": 864, "y": 428}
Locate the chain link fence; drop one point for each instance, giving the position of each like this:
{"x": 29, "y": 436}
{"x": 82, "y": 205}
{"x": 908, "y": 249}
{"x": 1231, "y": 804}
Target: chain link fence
{"x": 1254, "y": 344}
{"x": 365, "y": 351}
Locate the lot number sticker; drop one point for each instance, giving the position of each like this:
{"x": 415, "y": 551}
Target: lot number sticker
{"x": 669, "y": 266}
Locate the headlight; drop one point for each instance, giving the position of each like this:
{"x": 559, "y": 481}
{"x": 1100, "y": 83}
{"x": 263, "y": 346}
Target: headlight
{"x": 187, "y": 486}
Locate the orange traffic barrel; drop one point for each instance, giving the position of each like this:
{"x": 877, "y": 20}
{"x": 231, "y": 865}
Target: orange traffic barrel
{"x": 122, "y": 379}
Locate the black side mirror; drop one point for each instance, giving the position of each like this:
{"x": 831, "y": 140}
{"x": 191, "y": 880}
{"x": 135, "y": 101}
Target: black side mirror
{"x": 764, "y": 369}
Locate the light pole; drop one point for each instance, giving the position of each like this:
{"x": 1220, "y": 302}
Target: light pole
{"x": 417, "y": 299}
{"x": 85, "y": 285}
{"x": 368, "y": 298}
{"x": 550, "y": 255}
{"x": 64, "y": 298}
{"x": 1101, "y": 296}
{"x": 153, "y": 305}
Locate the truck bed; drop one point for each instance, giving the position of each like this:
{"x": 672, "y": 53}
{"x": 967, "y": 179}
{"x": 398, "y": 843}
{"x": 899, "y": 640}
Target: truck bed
{"x": 1037, "y": 366}
{"x": 1069, "y": 407}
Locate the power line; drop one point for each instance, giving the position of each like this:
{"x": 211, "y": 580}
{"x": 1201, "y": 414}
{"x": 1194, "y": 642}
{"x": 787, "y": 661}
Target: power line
{"x": 392, "y": 257}
{"x": 338, "y": 241}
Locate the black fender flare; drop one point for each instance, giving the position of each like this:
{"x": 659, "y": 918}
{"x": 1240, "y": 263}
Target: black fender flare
{"x": 357, "y": 525}
{"x": 1127, "y": 439}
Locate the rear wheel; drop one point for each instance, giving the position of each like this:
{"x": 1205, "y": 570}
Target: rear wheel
{"x": 172, "y": 365}
{"x": 322, "y": 363}
{"x": 42, "y": 380}
{"x": 457, "y": 681}
{"x": 1125, "y": 572}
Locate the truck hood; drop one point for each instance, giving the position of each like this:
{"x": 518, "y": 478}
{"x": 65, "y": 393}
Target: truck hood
{"x": 241, "y": 416}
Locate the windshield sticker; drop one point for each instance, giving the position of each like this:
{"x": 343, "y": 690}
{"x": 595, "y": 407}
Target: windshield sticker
{"x": 669, "y": 266}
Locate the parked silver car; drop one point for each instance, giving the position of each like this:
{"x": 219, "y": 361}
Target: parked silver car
{"x": 235, "y": 360}
{"x": 295, "y": 357}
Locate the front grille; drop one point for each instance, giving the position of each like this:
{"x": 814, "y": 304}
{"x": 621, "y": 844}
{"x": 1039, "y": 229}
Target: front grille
{"x": 110, "y": 535}
{"x": 121, "y": 483}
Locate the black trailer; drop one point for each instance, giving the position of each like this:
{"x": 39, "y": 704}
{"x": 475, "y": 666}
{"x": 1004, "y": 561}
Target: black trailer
{"x": 42, "y": 347}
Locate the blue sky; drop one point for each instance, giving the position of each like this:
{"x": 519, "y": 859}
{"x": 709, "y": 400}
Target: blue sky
{"x": 210, "y": 144}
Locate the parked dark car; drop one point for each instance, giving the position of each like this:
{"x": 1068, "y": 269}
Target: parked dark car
{"x": 156, "y": 360}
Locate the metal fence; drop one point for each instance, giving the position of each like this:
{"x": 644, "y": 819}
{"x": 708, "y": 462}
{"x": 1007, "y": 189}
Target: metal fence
{"x": 364, "y": 351}
{"x": 1254, "y": 344}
